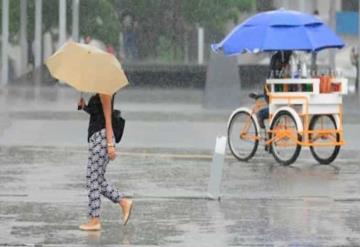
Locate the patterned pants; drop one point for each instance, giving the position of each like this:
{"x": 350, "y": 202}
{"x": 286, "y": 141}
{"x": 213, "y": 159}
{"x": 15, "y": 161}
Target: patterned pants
{"x": 95, "y": 175}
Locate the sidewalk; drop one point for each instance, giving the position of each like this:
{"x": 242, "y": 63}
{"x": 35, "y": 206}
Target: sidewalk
{"x": 156, "y": 118}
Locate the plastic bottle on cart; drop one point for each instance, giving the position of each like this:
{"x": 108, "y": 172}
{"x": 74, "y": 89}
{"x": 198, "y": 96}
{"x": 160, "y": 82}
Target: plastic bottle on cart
{"x": 308, "y": 87}
{"x": 293, "y": 67}
{"x": 303, "y": 70}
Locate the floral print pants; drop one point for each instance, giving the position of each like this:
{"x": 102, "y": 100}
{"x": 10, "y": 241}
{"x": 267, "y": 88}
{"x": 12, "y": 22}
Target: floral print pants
{"x": 95, "y": 175}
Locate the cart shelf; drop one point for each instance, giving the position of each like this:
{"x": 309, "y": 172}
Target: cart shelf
{"x": 305, "y": 96}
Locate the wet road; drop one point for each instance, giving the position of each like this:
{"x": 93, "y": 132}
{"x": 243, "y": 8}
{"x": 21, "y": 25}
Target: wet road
{"x": 43, "y": 200}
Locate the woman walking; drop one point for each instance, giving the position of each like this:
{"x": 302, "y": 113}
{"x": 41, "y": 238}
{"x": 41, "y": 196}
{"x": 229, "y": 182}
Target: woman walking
{"x": 101, "y": 151}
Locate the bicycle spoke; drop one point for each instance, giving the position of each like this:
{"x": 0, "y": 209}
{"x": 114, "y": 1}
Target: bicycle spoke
{"x": 323, "y": 137}
{"x": 242, "y": 136}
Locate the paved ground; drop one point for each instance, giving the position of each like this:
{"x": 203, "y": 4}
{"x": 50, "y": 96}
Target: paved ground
{"x": 164, "y": 164}
{"x": 43, "y": 200}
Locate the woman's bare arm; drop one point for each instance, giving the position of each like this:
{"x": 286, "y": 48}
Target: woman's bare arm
{"x": 106, "y": 105}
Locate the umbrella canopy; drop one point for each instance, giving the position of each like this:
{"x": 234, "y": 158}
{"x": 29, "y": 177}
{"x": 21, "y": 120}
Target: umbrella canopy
{"x": 279, "y": 30}
{"x": 87, "y": 68}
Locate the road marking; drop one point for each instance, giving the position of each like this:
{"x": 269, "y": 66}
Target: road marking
{"x": 13, "y": 195}
{"x": 169, "y": 155}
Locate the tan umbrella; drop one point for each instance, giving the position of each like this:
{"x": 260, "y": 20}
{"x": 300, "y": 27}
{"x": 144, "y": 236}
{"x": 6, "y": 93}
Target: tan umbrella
{"x": 87, "y": 68}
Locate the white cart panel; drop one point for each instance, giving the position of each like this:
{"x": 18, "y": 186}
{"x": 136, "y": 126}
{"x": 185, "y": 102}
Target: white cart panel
{"x": 309, "y": 102}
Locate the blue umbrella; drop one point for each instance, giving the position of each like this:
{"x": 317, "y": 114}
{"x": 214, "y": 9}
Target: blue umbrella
{"x": 279, "y": 30}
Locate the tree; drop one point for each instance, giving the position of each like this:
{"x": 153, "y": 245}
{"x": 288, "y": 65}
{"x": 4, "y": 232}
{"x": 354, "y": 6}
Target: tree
{"x": 162, "y": 25}
{"x": 169, "y": 21}
{"x": 99, "y": 19}
{"x": 14, "y": 19}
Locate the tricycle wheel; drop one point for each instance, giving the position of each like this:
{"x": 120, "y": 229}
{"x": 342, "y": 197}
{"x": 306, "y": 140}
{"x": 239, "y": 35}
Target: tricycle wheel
{"x": 324, "y": 153}
{"x": 285, "y": 138}
{"x": 243, "y": 136}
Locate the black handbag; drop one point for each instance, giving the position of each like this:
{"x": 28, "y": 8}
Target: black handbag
{"x": 118, "y": 124}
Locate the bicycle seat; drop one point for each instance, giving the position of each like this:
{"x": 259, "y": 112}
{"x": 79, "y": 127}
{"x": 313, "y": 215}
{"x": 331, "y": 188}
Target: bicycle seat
{"x": 255, "y": 96}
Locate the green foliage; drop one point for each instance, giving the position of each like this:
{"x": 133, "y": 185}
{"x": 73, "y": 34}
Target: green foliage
{"x": 170, "y": 19}
{"x": 50, "y": 16}
{"x": 98, "y": 18}
{"x": 14, "y": 18}
{"x": 213, "y": 13}
{"x": 160, "y": 23}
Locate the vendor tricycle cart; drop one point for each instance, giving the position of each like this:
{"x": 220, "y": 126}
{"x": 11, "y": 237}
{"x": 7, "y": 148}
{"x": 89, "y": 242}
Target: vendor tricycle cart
{"x": 302, "y": 113}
